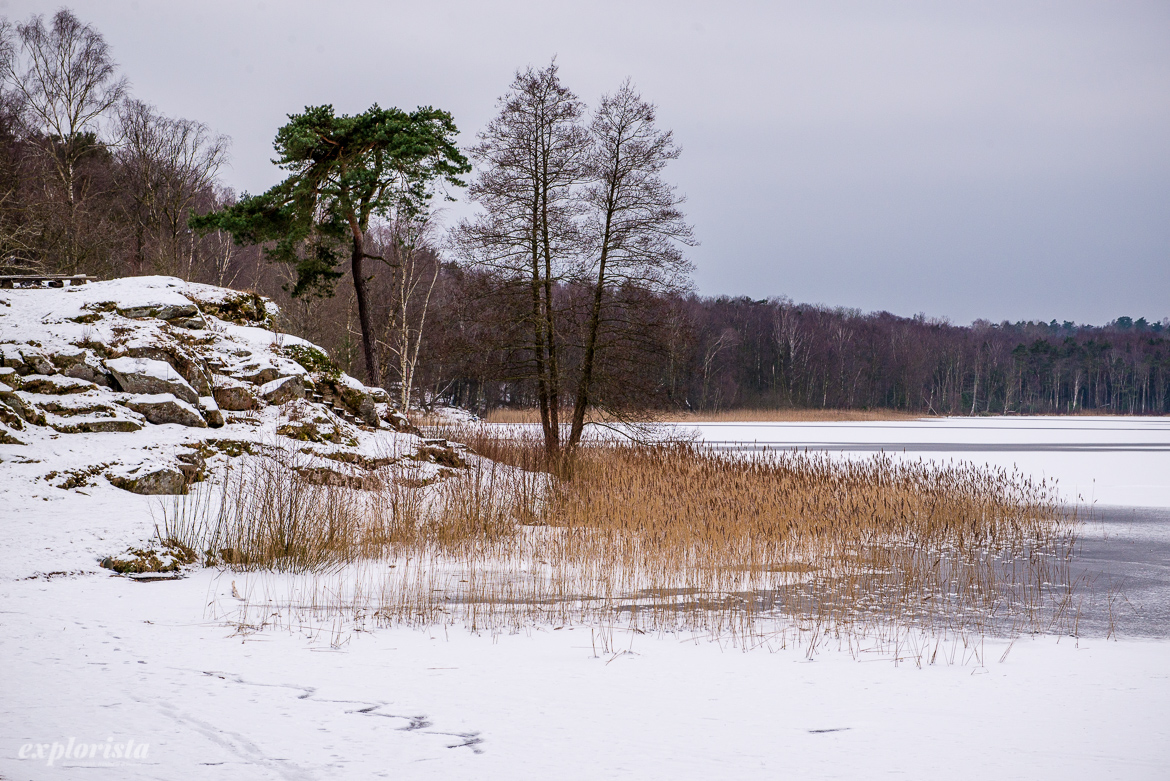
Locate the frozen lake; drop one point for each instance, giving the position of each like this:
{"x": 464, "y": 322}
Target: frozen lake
{"x": 1118, "y": 461}
{"x": 1116, "y": 469}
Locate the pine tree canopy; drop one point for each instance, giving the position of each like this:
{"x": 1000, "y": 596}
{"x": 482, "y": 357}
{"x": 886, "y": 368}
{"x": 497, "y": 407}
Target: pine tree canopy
{"x": 343, "y": 170}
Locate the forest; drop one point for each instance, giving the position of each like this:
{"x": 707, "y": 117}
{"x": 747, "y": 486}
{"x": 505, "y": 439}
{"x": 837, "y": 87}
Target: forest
{"x": 586, "y": 305}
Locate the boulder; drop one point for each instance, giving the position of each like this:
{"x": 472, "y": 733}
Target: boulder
{"x": 89, "y": 373}
{"x": 163, "y": 408}
{"x": 163, "y": 311}
{"x": 145, "y": 375}
{"x": 35, "y": 362}
{"x": 210, "y": 411}
{"x": 189, "y": 367}
{"x": 231, "y": 394}
{"x": 283, "y": 389}
{"x": 357, "y": 398}
{"x": 151, "y": 478}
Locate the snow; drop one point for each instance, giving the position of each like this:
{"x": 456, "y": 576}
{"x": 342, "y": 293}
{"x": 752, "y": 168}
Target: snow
{"x": 99, "y": 658}
{"x": 103, "y": 660}
{"x": 95, "y": 657}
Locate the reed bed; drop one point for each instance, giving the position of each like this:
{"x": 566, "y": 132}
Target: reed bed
{"x": 652, "y": 538}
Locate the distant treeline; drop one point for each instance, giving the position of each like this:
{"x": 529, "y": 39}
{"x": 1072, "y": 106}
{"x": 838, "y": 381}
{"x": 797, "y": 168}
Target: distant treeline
{"x": 717, "y": 353}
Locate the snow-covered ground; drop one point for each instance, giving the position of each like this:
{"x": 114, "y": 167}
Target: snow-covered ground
{"x": 155, "y": 683}
{"x": 104, "y": 660}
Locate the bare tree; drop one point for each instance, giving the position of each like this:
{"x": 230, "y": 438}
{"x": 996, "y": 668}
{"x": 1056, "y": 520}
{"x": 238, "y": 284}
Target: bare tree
{"x": 532, "y": 159}
{"x": 407, "y": 250}
{"x": 166, "y": 164}
{"x": 633, "y": 218}
{"x": 66, "y": 84}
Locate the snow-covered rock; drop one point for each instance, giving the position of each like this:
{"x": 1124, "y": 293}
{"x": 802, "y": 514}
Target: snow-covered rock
{"x": 151, "y": 477}
{"x": 162, "y": 408}
{"x": 232, "y": 394}
{"x": 96, "y": 377}
{"x": 284, "y": 389}
{"x": 144, "y": 375}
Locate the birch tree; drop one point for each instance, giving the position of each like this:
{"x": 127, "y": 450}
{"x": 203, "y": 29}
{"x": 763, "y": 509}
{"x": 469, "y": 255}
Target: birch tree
{"x": 66, "y": 81}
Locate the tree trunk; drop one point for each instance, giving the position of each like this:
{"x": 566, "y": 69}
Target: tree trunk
{"x": 582, "y": 402}
{"x": 359, "y": 287}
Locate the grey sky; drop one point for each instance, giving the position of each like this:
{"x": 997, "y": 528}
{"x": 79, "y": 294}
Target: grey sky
{"x": 983, "y": 159}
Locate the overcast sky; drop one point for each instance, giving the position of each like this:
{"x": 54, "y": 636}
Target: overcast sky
{"x": 999, "y": 160}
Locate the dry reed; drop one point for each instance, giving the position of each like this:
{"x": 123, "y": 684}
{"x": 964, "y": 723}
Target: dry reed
{"x": 653, "y": 538}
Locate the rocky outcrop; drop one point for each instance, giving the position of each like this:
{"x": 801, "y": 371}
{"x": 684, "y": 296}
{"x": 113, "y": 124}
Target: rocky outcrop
{"x": 163, "y": 311}
{"x": 126, "y": 355}
{"x": 163, "y": 408}
{"x": 359, "y": 399}
{"x": 146, "y": 375}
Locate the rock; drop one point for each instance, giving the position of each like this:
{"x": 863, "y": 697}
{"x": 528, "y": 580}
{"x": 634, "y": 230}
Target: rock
{"x": 151, "y": 479}
{"x": 89, "y": 373}
{"x": 22, "y": 408}
{"x": 12, "y": 359}
{"x": 39, "y": 363}
{"x": 93, "y": 403}
{"x": 188, "y": 366}
{"x": 257, "y": 374}
{"x": 54, "y": 384}
{"x": 210, "y": 411}
{"x": 9, "y": 417}
{"x": 161, "y": 311}
{"x": 163, "y": 408}
{"x": 69, "y": 356}
{"x": 145, "y": 375}
{"x": 396, "y": 419}
{"x": 93, "y": 425}
{"x": 283, "y": 389}
{"x": 358, "y": 400}
{"x": 192, "y": 465}
{"x": 379, "y": 395}
{"x": 231, "y": 394}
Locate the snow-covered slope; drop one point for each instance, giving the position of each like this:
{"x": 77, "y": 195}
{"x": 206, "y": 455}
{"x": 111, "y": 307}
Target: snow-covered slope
{"x": 143, "y": 385}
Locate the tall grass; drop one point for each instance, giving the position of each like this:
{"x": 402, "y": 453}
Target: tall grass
{"x": 654, "y": 538}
